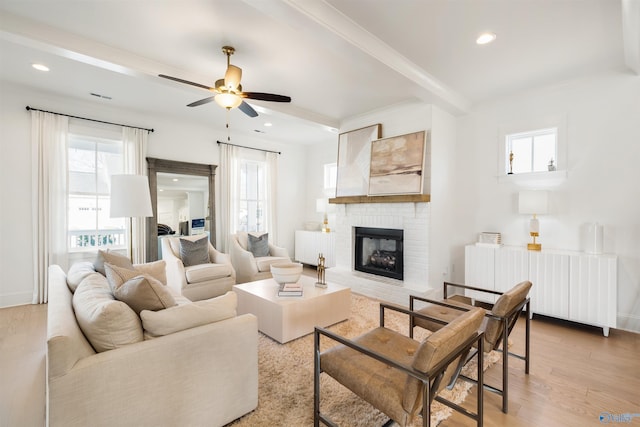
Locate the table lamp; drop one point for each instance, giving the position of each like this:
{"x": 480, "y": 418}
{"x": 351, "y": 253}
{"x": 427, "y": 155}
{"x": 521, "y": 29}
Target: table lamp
{"x": 130, "y": 198}
{"x": 536, "y": 203}
{"x": 322, "y": 207}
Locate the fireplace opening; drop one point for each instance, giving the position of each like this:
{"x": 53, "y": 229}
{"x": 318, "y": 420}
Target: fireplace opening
{"x": 379, "y": 251}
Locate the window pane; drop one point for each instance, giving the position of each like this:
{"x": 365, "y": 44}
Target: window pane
{"x": 544, "y": 151}
{"x": 82, "y": 166}
{"x": 521, "y": 148}
{"x": 111, "y": 231}
{"x": 109, "y": 162}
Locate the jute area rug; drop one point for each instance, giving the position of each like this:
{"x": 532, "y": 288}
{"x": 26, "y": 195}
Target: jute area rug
{"x": 285, "y": 390}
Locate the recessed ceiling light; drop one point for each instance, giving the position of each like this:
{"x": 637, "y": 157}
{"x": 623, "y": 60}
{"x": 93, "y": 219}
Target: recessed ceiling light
{"x": 485, "y": 38}
{"x": 175, "y": 179}
{"x": 268, "y": 124}
{"x": 40, "y": 67}
{"x": 160, "y": 189}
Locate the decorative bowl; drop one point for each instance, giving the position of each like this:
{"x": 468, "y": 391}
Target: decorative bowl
{"x": 312, "y": 226}
{"x": 286, "y": 272}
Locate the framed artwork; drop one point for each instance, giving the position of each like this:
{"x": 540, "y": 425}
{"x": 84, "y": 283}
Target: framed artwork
{"x": 354, "y": 158}
{"x": 397, "y": 164}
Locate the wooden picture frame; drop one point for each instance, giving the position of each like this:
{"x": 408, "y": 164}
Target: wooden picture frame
{"x": 354, "y": 160}
{"x": 397, "y": 164}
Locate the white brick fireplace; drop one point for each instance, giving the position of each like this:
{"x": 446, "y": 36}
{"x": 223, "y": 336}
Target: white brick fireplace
{"x": 413, "y": 219}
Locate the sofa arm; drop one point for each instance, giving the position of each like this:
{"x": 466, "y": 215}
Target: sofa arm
{"x": 201, "y": 376}
{"x": 243, "y": 262}
{"x": 278, "y": 251}
{"x": 218, "y": 257}
{"x": 176, "y": 278}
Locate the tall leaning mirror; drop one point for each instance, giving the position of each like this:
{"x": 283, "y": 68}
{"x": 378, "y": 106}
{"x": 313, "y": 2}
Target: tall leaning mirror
{"x": 183, "y": 200}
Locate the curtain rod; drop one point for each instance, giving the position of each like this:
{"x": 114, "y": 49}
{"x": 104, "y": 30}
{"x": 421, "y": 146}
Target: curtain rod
{"x": 91, "y": 120}
{"x": 250, "y": 148}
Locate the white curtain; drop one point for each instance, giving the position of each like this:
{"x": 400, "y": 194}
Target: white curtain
{"x": 49, "y": 197}
{"x": 134, "y": 153}
{"x": 228, "y": 190}
{"x": 272, "y": 196}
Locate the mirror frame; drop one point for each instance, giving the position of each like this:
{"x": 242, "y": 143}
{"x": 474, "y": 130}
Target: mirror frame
{"x": 171, "y": 166}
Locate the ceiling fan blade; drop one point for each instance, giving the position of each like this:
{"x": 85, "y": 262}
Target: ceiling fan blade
{"x": 261, "y": 96}
{"x": 248, "y": 109}
{"x": 232, "y": 77}
{"x": 202, "y": 101}
{"x": 175, "y": 79}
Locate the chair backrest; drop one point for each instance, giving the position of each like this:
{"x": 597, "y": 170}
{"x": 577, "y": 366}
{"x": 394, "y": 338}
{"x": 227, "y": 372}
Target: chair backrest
{"x": 493, "y": 332}
{"x": 174, "y": 243}
{"x": 438, "y": 347}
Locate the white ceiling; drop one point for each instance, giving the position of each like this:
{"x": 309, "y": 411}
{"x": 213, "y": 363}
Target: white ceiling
{"x": 336, "y": 58}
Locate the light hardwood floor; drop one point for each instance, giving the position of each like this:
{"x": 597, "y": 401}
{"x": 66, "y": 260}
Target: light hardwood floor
{"x": 576, "y": 374}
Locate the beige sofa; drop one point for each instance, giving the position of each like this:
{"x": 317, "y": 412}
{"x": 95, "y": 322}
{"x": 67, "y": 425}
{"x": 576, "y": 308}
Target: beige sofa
{"x": 200, "y": 376}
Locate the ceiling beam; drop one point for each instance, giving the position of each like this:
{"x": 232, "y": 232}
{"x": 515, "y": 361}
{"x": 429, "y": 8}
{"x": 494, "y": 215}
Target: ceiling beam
{"x": 631, "y": 33}
{"x": 335, "y": 21}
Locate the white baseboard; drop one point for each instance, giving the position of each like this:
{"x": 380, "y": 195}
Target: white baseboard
{"x": 628, "y": 322}
{"x": 18, "y": 298}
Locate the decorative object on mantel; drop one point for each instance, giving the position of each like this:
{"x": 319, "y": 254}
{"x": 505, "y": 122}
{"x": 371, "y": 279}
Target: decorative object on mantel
{"x": 354, "y": 158}
{"x": 510, "y": 163}
{"x": 536, "y": 203}
{"x": 397, "y": 164}
{"x": 321, "y": 283}
{"x": 489, "y": 238}
{"x": 551, "y": 167}
{"x": 322, "y": 206}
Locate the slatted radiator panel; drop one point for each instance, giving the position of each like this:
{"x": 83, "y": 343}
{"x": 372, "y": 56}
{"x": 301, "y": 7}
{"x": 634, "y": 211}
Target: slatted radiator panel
{"x": 479, "y": 267}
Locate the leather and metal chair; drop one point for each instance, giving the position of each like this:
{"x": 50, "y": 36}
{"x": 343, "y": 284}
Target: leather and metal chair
{"x": 501, "y": 317}
{"x": 396, "y": 374}
{"x": 200, "y": 281}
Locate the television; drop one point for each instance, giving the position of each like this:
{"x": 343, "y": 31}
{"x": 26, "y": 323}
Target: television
{"x": 196, "y": 226}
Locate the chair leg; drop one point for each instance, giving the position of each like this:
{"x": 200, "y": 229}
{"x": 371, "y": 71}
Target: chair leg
{"x": 527, "y": 340}
{"x": 316, "y": 380}
{"x": 505, "y": 369}
{"x": 480, "y": 385}
{"x": 426, "y": 407}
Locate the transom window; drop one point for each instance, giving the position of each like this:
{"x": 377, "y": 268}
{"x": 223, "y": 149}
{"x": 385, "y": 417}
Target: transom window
{"x": 531, "y": 151}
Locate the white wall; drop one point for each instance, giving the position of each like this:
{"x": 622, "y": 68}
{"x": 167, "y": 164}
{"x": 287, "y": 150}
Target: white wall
{"x": 173, "y": 139}
{"x": 602, "y": 184}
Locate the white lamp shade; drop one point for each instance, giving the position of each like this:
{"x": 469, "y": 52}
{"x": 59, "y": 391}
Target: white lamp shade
{"x": 533, "y": 202}
{"x": 130, "y": 196}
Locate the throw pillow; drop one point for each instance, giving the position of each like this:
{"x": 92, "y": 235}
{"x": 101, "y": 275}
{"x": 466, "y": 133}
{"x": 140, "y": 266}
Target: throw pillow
{"x": 144, "y": 293}
{"x": 138, "y": 290}
{"x": 181, "y": 317}
{"x": 112, "y": 258}
{"x": 106, "y": 322}
{"x": 155, "y": 269}
{"x": 77, "y": 272}
{"x": 258, "y": 245}
{"x": 194, "y": 252}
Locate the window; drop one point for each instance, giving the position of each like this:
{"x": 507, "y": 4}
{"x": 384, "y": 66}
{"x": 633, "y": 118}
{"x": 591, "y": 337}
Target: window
{"x": 532, "y": 151}
{"x": 91, "y": 162}
{"x": 330, "y": 177}
{"x": 252, "y": 201}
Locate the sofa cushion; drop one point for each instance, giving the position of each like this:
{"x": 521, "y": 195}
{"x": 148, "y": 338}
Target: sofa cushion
{"x": 144, "y": 293}
{"x": 156, "y": 269}
{"x": 264, "y": 263}
{"x": 203, "y": 272}
{"x": 106, "y": 323}
{"x": 258, "y": 245}
{"x": 140, "y": 291}
{"x": 194, "y": 252}
{"x": 113, "y": 258}
{"x": 77, "y": 272}
{"x": 186, "y": 316}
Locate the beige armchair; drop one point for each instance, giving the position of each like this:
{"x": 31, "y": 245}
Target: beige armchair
{"x": 501, "y": 317}
{"x": 197, "y": 282}
{"x": 396, "y": 374}
{"x": 250, "y": 268}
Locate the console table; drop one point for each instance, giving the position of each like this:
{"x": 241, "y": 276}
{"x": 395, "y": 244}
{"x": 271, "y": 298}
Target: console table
{"x": 308, "y": 244}
{"x": 568, "y": 285}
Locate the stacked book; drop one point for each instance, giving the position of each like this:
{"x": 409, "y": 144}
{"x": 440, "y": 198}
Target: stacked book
{"x": 489, "y": 238}
{"x": 290, "y": 290}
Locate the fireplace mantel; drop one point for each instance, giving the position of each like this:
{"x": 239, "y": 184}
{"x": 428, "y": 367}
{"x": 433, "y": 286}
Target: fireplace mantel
{"x": 398, "y": 198}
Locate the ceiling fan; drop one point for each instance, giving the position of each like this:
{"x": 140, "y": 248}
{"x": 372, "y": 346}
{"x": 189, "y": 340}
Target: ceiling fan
{"x": 228, "y": 91}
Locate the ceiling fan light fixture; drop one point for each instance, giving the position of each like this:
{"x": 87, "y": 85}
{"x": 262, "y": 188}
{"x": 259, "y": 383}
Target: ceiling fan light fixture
{"x": 232, "y": 77}
{"x": 228, "y": 100}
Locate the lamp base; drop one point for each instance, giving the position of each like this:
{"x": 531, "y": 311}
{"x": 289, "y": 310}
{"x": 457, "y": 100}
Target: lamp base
{"x": 534, "y": 246}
